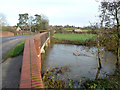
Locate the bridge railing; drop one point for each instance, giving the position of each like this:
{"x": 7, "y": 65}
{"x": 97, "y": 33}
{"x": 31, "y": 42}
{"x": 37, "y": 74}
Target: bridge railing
{"x": 31, "y": 65}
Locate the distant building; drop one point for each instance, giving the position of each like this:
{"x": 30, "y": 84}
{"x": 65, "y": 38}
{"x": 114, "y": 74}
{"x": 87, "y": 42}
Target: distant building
{"x": 77, "y": 30}
{"x": 18, "y": 29}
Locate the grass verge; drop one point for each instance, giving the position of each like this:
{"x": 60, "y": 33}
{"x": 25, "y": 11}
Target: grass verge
{"x": 18, "y": 49}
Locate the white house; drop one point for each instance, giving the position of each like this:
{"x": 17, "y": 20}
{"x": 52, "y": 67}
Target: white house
{"x": 18, "y": 29}
{"x": 77, "y": 30}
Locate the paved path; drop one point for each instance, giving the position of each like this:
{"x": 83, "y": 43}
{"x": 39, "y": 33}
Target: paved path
{"x": 7, "y": 43}
{"x": 10, "y": 69}
{"x": 11, "y": 72}
{"x": 4, "y": 39}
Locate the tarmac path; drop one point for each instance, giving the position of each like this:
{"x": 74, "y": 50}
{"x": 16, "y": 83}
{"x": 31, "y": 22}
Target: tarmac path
{"x": 10, "y": 68}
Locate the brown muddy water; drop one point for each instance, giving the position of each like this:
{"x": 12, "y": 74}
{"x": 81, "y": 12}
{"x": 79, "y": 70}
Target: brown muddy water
{"x": 82, "y": 67}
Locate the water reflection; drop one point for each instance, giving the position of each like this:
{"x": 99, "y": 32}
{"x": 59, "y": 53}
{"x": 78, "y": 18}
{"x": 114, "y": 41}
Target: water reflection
{"x": 97, "y": 74}
{"x": 81, "y": 67}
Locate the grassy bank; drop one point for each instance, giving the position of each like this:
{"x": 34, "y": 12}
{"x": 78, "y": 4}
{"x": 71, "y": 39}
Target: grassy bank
{"x": 18, "y": 49}
{"x": 52, "y": 80}
{"x": 112, "y": 82}
{"x": 77, "y": 39}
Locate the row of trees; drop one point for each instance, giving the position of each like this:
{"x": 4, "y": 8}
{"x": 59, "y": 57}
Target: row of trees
{"x": 108, "y": 34}
{"x": 33, "y": 23}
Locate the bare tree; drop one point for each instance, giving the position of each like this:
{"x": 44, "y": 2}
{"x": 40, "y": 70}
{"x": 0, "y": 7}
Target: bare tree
{"x": 3, "y": 20}
{"x": 99, "y": 34}
{"x": 112, "y": 19}
{"x": 94, "y": 28}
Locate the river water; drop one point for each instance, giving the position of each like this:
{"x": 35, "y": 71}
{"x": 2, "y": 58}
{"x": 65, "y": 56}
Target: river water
{"x": 81, "y": 67}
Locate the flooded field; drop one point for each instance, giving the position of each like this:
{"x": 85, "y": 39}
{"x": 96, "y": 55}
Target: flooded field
{"x": 77, "y": 62}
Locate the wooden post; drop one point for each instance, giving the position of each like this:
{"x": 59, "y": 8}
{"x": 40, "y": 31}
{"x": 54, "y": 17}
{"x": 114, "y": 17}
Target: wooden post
{"x": 49, "y": 40}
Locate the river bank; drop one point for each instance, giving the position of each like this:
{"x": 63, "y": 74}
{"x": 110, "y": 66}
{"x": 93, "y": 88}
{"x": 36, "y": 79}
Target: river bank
{"x": 112, "y": 82}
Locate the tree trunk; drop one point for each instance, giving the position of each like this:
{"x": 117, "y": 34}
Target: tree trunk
{"x": 99, "y": 54}
{"x": 118, "y": 40}
{"x": 118, "y": 47}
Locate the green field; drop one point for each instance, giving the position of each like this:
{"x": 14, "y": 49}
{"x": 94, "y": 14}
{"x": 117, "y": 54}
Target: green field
{"x": 86, "y": 30}
{"x": 70, "y": 30}
{"x": 54, "y": 31}
{"x": 74, "y": 37}
{"x": 16, "y": 50}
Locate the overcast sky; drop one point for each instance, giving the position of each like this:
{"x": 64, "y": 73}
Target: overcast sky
{"x": 59, "y": 12}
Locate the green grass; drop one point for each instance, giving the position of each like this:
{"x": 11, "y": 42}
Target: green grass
{"x": 18, "y": 49}
{"x": 74, "y": 37}
{"x": 69, "y": 30}
{"x": 54, "y": 31}
{"x": 86, "y": 30}
{"x": 112, "y": 82}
